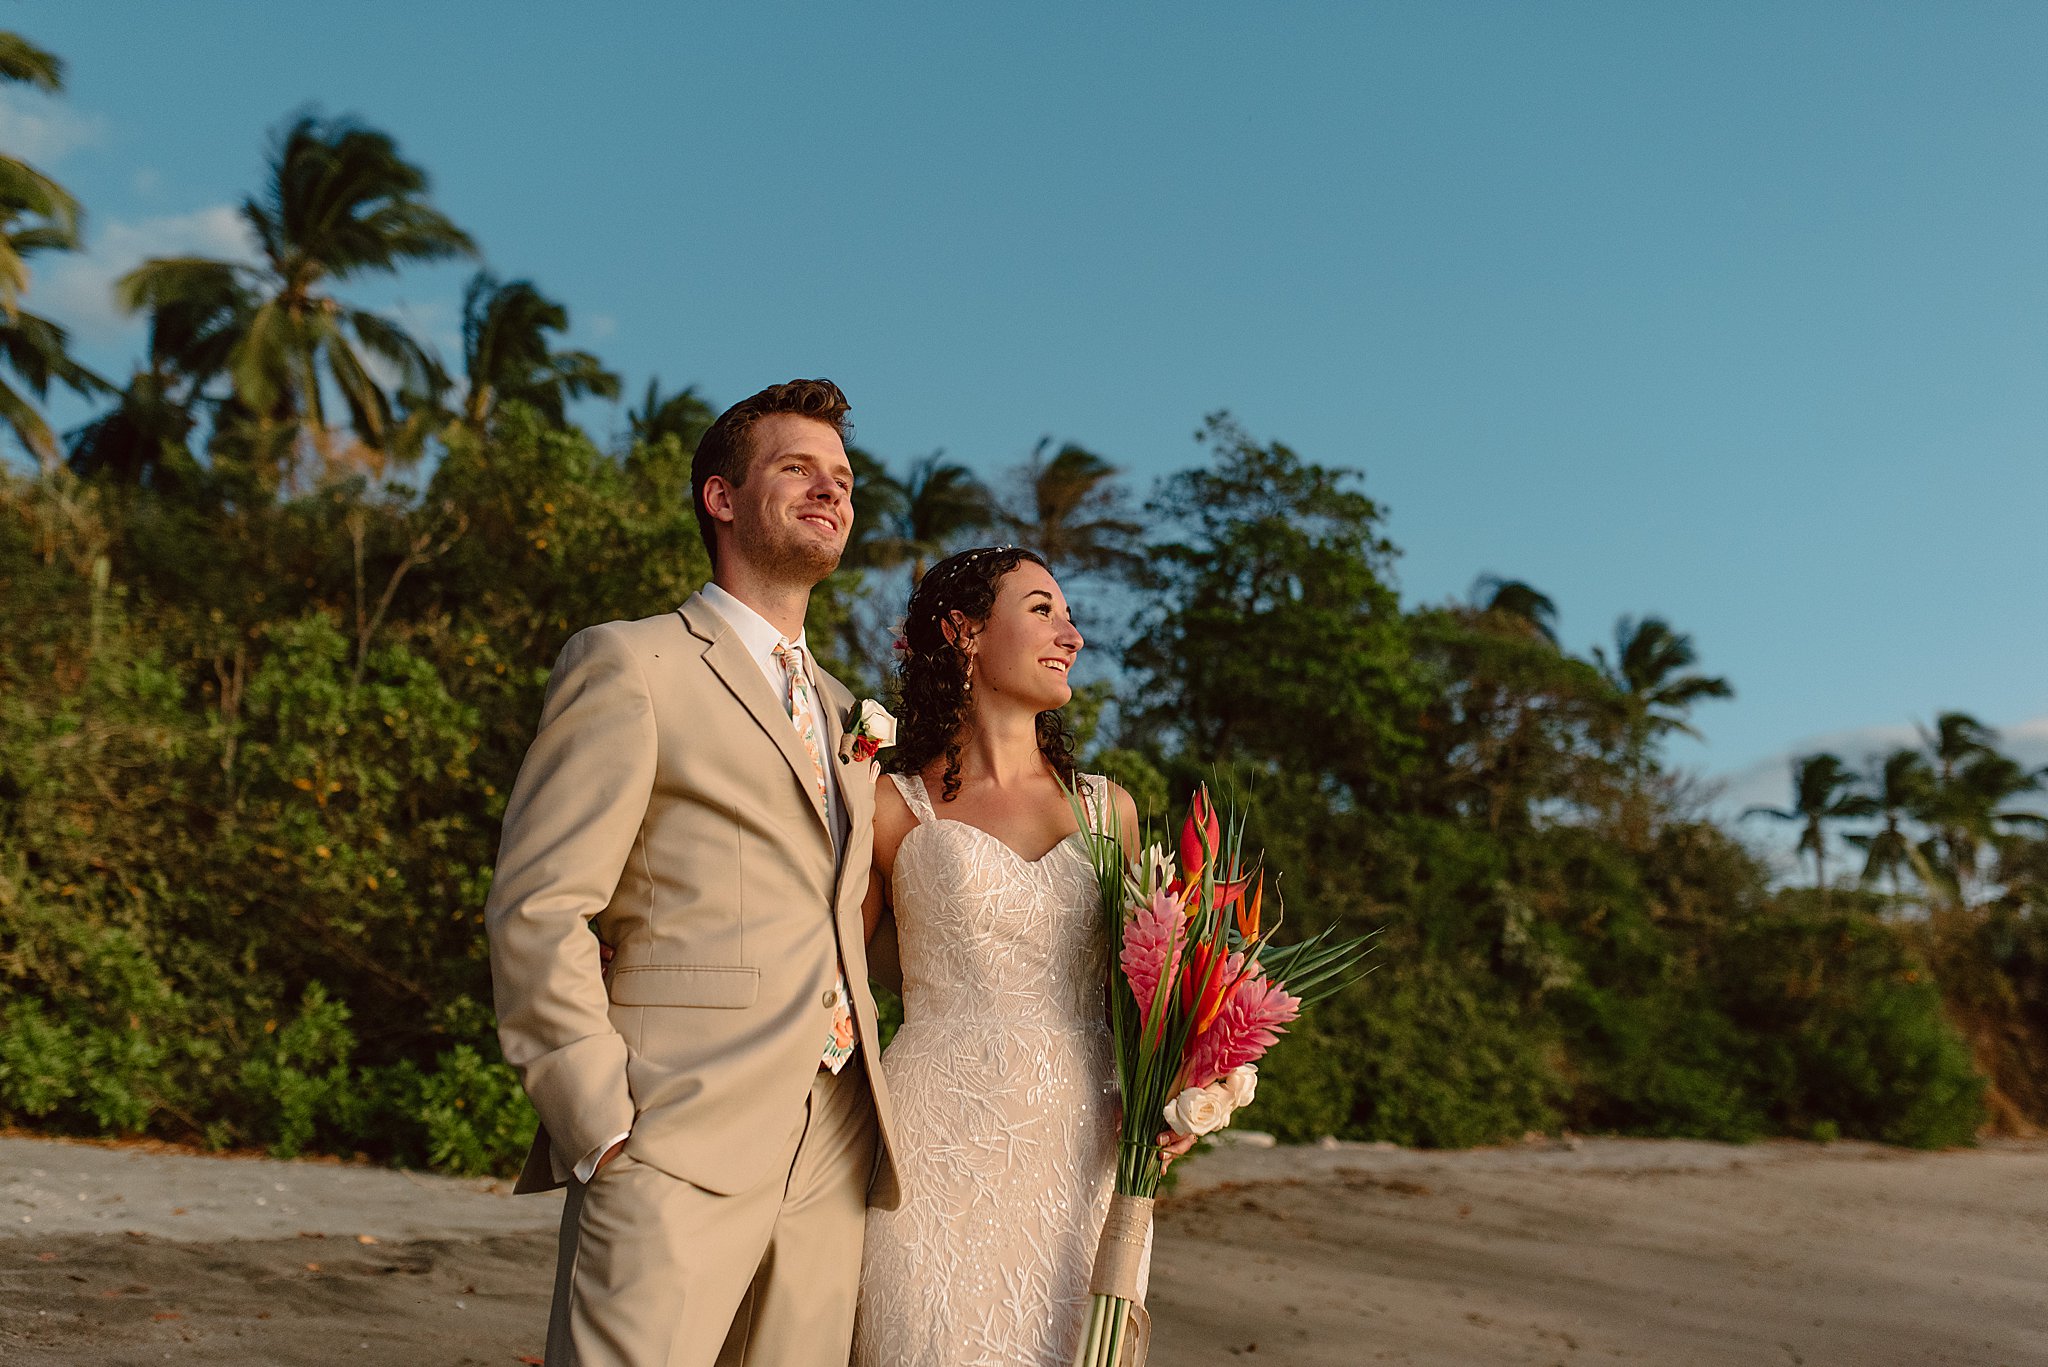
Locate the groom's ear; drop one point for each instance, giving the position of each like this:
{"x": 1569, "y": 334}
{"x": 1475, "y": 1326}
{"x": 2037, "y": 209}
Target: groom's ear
{"x": 718, "y": 498}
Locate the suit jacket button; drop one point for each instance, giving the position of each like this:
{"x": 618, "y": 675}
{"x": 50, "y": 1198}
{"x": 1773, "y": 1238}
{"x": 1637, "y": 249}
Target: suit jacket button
{"x": 832, "y": 997}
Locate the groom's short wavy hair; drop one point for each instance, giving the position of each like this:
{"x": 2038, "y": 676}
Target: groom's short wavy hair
{"x": 724, "y": 450}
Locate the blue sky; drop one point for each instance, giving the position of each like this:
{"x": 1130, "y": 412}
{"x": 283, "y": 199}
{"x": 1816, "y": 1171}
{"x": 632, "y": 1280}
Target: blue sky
{"x": 1736, "y": 313}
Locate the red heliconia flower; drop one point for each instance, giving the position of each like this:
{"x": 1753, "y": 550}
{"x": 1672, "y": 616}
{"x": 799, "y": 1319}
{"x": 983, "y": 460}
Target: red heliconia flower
{"x": 1256, "y": 1015}
{"x": 1201, "y": 826}
{"x": 1206, "y": 982}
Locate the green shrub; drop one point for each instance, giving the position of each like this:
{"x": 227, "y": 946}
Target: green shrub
{"x": 1437, "y": 1060}
{"x": 1849, "y": 1030}
{"x": 297, "y": 1083}
{"x": 1304, "y": 1090}
{"x": 468, "y": 1116}
{"x": 1662, "y": 1063}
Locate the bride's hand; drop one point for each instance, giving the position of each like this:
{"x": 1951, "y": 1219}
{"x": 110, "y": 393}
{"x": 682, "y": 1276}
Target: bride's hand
{"x": 605, "y": 954}
{"x": 1172, "y": 1146}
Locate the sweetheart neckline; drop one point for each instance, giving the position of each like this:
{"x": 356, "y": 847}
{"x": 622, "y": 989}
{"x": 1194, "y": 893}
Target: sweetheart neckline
{"x": 924, "y": 790}
{"x": 1003, "y": 844}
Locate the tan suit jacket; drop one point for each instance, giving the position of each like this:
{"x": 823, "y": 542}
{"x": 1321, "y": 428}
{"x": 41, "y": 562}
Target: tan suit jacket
{"x": 668, "y": 798}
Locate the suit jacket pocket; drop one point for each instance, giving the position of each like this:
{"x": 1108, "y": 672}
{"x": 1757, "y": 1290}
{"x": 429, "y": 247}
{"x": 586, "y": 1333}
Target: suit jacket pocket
{"x": 685, "y": 985}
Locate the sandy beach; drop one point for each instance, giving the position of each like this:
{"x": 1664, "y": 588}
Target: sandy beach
{"x": 1596, "y": 1251}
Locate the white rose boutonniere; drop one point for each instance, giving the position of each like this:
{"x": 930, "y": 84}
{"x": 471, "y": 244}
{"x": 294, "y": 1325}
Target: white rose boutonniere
{"x": 871, "y": 731}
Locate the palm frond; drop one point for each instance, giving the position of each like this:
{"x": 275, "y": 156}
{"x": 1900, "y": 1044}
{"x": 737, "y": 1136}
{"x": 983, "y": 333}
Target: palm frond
{"x": 22, "y": 419}
{"x": 23, "y": 62}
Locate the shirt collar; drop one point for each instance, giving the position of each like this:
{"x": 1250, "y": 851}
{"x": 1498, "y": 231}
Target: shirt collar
{"x": 756, "y": 632}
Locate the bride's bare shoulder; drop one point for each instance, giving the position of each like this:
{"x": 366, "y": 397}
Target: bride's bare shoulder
{"x": 893, "y": 820}
{"x": 1123, "y": 809}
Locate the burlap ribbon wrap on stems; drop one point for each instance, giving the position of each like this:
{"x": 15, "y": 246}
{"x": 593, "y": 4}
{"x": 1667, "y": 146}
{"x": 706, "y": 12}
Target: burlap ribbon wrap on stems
{"x": 1119, "y": 1262}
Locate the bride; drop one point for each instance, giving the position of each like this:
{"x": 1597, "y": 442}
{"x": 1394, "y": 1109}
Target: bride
{"x": 1001, "y": 1075}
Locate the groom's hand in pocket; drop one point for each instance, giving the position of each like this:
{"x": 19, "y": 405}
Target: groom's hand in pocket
{"x": 605, "y": 954}
{"x": 609, "y": 1155}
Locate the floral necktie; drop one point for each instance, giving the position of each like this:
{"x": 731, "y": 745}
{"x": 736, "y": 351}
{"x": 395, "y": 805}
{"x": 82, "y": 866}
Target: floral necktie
{"x": 797, "y": 697}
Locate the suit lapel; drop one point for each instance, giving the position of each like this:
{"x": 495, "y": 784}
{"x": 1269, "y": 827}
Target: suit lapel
{"x": 738, "y": 671}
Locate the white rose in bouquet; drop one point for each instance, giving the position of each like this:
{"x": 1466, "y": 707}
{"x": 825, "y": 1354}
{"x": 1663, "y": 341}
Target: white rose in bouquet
{"x": 1240, "y": 1084}
{"x": 1198, "y": 1111}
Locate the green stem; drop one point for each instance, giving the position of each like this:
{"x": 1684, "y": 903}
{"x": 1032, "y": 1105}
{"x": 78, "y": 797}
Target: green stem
{"x": 1120, "y": 1316}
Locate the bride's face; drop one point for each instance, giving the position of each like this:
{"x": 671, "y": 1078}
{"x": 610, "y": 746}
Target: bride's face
{"x": 1023, "y": 653}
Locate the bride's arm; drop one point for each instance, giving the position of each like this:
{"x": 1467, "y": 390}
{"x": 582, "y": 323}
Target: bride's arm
{"x": 1126, "y": 818}
{"x": 893, "y": 821}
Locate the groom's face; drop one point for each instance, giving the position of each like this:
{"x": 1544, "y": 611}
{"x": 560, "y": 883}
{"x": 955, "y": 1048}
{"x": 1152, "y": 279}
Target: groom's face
{"x": 790, "y": 516}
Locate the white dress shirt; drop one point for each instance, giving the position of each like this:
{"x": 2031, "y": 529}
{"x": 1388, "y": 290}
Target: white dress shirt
{"x": 760, "y": 638}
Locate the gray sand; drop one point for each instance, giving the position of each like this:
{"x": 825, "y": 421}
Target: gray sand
{"x": 1606, "y": 1251}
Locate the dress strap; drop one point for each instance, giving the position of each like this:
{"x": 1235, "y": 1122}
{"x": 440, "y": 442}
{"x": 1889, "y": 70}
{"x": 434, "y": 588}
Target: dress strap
{"x": 1094, "y": 789}
{"x": 911, "y": 786}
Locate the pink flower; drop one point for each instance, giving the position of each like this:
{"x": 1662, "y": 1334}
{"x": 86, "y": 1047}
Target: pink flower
{"x": 1151, "y": 951}
{"x": 1251, "y": 1020}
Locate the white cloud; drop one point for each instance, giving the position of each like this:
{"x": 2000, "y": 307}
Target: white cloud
{"x": 77, "y": 289}
{"x": 43, "y": 131}
{"x": 601, "y": 325}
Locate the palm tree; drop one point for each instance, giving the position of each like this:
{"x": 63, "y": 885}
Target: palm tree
{"x": 1654, "y": 693}
{"x": 1899, "y": 787}
{"x": 1967, "y": 806}
{"x": 506, "y": 354}
{"x": 24, "y": 191}
{"x": 38, "y": 352}
{"x": 936, "y": 505}
{"x": 1513, "y": 601}
{"x": 141, "y": 440}
{"x": 880, "y": 504}
{"x": 36, "y": 215}
{"x": 1073, "y": 513}
{"x": 944, "y": 501}
{"x": 1824, "y": 790}
{"x": 683, "y": 415}
{"x": 341, "y": 203}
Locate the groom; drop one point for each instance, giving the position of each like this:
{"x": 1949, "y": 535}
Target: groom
{"x": 714, "y": 1106}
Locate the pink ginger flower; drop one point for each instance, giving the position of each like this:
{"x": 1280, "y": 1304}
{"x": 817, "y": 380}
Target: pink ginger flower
{"x": 1253, "y": 1018}
{"x": 1153, "y": 939}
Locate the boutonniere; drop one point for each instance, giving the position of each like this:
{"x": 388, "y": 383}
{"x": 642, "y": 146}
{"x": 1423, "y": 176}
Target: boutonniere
{"x": 870, "y": 731}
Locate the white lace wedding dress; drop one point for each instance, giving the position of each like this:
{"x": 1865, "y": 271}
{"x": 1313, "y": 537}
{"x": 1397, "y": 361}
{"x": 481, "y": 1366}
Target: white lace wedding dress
{"x": 1005, "y": 1103}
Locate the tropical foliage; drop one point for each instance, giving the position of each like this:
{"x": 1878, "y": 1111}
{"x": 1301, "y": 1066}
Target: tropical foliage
{"x": 260, "y": 707}
{"x": 269, "y": 343}
{"x": 36, "y": 215}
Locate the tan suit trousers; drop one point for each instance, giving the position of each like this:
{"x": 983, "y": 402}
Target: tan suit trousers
{"x": 656, "y": 1272}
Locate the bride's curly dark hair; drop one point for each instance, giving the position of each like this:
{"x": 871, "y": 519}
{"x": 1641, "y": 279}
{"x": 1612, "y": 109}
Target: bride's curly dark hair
{"x": 931, "y": 672}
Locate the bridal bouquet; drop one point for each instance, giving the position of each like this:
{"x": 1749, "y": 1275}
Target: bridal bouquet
{"x": 1197, "y": 994}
